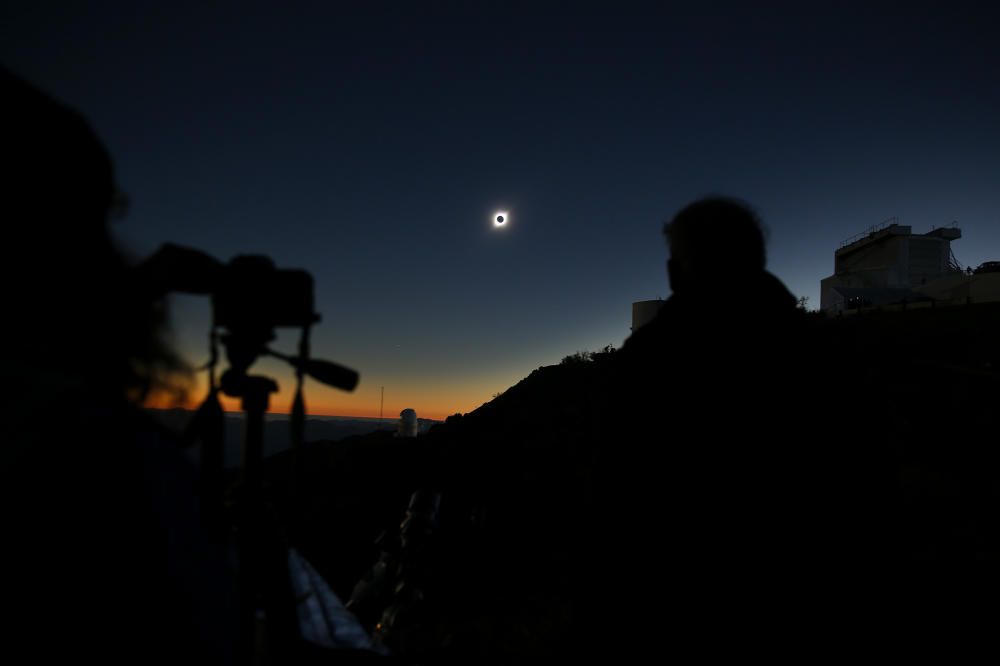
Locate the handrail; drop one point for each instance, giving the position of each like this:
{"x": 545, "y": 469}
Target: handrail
{"x": 869, "y": 232}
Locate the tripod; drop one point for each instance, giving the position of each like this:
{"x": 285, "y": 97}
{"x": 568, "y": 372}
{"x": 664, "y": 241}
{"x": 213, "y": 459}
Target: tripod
{"x": 268, "y": 620}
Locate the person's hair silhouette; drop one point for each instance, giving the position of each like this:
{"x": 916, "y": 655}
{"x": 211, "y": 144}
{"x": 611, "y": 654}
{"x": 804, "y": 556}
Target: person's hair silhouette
{"x": 711, "y": 241}
{"x": 82, "y": 312}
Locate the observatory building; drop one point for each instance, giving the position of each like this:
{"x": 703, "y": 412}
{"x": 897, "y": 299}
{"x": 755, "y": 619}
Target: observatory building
{"x": 889, "y": 265}
{"x": 408, "y": 426}
{"x": 644, "y": 312}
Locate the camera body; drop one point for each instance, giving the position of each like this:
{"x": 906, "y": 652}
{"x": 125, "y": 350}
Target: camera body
{"x": 252, "y": 294}
{"x": 250, "y": 298}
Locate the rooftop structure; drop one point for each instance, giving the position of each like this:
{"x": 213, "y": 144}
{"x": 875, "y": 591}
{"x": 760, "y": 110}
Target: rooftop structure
{"x": 888, "y": 264}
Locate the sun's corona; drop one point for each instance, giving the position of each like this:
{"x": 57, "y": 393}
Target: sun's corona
{"x": 500, "y": 218}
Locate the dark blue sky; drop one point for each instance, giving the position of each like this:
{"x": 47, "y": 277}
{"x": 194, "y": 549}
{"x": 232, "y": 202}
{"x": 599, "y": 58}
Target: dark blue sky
{"x": 371, "y": 143}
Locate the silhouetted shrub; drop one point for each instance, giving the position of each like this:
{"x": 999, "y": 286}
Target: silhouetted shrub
{"x": 579, "y": 357}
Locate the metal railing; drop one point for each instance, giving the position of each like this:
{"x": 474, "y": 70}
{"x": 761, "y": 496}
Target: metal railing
{"x": 869, "y": 232}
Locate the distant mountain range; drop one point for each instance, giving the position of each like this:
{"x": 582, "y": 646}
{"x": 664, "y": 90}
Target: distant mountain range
{"x": 277, "y": 437}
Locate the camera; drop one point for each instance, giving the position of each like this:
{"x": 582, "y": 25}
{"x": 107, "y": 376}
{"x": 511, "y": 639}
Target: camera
{"x": 247, "y": 293}
{"x": 250, "y": 298}
{"x": 252, "y": 293}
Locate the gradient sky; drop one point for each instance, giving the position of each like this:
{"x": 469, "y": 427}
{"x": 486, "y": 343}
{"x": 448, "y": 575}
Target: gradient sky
{"x": 369, "y": 143}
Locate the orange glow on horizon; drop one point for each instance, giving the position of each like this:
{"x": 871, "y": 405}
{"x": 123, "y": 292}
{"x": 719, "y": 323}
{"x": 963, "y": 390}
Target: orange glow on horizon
{"x": 322, "y": 401}
{"x": 232, "y": 405}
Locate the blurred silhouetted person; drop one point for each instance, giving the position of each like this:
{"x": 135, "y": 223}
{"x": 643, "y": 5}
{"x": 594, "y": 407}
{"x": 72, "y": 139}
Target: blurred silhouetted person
{"x": 706, "y": 498}
{"x": 716, "y": 269}
{"x": 713, "y": 367}
{"x": 104, "y": 555}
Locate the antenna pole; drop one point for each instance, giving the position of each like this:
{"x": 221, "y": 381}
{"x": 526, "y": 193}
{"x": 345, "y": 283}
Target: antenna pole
{"x": 381, "y": 404}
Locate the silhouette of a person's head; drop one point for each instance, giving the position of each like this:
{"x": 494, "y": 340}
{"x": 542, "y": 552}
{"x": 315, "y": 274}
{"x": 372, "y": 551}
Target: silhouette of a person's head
{"x": 712, "y": 242}
{"x": 81, "y": 312}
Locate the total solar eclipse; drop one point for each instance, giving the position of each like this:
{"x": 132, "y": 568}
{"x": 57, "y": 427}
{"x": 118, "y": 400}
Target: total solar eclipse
{"x": 500, "y": 218}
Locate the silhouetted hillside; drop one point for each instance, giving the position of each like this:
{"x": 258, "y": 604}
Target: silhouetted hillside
{"x": 516, "y": 474}
{"x": 934, "y": 383}
{"x": 508, "y": 499}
